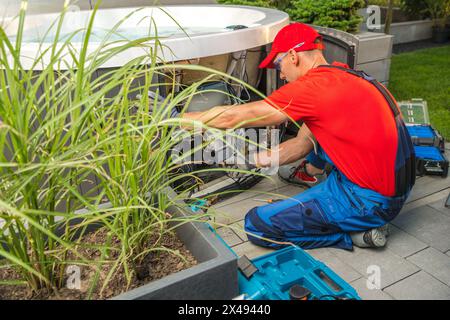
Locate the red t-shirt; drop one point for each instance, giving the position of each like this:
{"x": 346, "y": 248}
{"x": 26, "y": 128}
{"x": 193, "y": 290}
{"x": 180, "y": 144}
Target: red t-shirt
{"x": 350, "y": 119}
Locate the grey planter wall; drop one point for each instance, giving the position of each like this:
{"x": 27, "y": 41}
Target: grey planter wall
{"x": 403, "y": 31}
{"x": 411, "y": 31}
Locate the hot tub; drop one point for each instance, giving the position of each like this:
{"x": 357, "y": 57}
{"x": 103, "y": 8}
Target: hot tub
{"x": 209, "y": 30}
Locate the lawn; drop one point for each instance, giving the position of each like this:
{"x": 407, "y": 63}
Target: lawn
{"x": 425, "y": 74}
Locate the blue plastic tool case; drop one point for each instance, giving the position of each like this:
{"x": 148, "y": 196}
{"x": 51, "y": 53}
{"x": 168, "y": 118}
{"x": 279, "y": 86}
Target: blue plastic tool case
{"x": 278, "y": 271}
{"x": 425, "y": 135}
{"x": 429, "y": 147}
{"x": 431, "y": 161}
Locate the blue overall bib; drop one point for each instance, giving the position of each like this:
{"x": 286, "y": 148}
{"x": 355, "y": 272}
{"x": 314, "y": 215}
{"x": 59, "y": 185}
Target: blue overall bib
{"x": 324, "y": 215}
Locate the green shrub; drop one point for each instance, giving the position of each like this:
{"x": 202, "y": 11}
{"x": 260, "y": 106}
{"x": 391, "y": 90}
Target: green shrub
{"x": 255, "y": 3}
{"x": 278, "y": 4}
{"x": 384, "y": 3}
{"x": 415, "y": 8}
{"x": 338, "y": 14}
{"x": 439, "y": 11}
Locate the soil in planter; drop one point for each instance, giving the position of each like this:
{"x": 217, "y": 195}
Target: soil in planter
{"x": 156, "y": 265}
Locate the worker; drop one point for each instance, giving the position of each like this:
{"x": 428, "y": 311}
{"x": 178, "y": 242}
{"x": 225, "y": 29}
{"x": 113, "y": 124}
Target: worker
{"x": 351, "y": 122}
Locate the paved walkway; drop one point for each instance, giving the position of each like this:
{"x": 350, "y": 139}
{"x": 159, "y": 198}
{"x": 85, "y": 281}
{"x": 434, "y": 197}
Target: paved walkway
{"x": 415, "y": 264}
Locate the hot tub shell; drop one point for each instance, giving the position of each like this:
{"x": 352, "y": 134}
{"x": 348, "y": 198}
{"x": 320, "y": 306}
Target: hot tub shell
{"x": 212, "y": 38}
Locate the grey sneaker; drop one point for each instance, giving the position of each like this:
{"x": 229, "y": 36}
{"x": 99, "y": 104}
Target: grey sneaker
{"x": 297, "y": 174}
{"x": 373, "y": 238}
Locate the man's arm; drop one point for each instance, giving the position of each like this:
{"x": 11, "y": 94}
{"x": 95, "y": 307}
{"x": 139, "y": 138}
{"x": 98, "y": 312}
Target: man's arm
{"x": 253, "y": 114}
{"x": 288, "y": 151}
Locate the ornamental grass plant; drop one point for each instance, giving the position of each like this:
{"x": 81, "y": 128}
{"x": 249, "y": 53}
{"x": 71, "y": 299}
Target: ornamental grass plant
{"x": 82, "y": 148}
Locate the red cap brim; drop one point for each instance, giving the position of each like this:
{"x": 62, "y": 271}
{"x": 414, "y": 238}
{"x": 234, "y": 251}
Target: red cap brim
{"x": 268, "y": 61}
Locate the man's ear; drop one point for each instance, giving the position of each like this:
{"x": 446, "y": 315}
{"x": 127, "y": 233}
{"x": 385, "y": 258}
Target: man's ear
{"x": 295, "y": 59}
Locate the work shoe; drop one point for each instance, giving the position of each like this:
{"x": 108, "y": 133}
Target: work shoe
{"x": 385, "y": 230}
{"x": 373, "y": 238}
{"x": 297, "y": 174}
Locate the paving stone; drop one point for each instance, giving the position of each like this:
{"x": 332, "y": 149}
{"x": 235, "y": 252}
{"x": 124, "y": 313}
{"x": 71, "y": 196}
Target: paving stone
{"x": 250, "y": 250}
{"x": 270, "y": 183}
{"x": 238, "y": 228}
{"x": 236, "y": 211}
{"x": 425, "y": 201}
{"x": 266, "y": 185}
{"x": 229, "y": 236}
{"x": 232, "y": 212}
{"x": 440, "y": 204}
{"x": 319, "y": 253}
{"x": 420, "y": 286}
{"x": 282, "y": 191}
{"x": 428, "y": 225}
{"x": 290, "y": 190}
{"x": 433, "y": 262}
{"x": 402, "y": 243}
{"x": 428, "y": 185}
{"x": 360, "y": 285}
{"x": 393, "y": 268}
{"x": 345, "y": 271}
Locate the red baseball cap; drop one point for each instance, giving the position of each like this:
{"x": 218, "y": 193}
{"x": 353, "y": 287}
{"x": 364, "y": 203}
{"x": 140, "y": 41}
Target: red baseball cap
{"x": 290, "y": 36}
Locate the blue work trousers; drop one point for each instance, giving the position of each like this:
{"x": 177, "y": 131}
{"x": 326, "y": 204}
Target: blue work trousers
{"x": 321, "y": 216}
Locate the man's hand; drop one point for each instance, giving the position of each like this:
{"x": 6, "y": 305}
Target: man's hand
{"x": 268, "y": 161}
{"x": 246, "y": 161}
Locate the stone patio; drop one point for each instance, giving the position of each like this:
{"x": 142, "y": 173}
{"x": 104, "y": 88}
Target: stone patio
{"x": 415, "y": 264}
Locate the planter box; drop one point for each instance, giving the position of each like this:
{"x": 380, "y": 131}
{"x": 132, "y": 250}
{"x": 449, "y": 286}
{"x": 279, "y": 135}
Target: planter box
{"x": 377, "y": 69}
{"x": 373, "y": 46}
{"x": 215, "y": 277}
{"x": 373, "y": 54}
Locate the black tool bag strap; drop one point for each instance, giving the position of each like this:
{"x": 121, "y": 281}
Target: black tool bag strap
{"x": 373, "y": 81}
{"x": 405, "y": 175}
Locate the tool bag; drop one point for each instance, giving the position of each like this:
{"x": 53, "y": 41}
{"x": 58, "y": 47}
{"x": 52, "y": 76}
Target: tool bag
{"x": 405, "y": 162}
